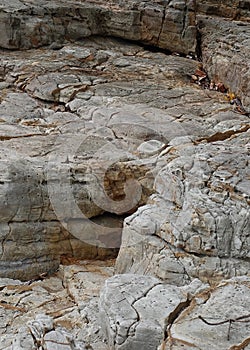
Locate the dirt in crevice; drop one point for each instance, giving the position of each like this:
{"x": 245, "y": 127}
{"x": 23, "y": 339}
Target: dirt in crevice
{"x": 222, "y": 136}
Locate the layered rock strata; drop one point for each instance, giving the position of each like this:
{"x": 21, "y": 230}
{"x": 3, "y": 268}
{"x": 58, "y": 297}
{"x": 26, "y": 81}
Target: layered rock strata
{"x": 167, "y": 24}
{"x": 97, "y": 130}
{"x": 62, "y": 150}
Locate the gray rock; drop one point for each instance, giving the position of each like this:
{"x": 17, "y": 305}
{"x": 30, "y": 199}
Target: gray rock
{"x": 40, "y": 146}
{"x": 225, "y": 52}
{"x": 55, "y": 312}
{"x": 134, "y": 310}
{"x": 78, "y": 124}
{"x": 29, "y": 24}
{"x": 99, "y": 129}
{"x": 140, "y": 311}
{"x": 197, "y": 223}
{"x": 227, "y": 301}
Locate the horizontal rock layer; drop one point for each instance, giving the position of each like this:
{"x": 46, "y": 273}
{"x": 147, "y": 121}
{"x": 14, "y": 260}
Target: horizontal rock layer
{"x": 234, "y": 9}
{"x": 178, "y": 26}
{"x": 170, "y": 25}
{"x": 78, "y": 123}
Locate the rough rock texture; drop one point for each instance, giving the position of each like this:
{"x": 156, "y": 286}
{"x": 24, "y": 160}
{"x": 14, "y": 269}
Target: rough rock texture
{"x": 56, "y": 312}
{"x": 233, "y": 9}
{"x": 142, "y": 312}
{"x": 95, "y": 130}
{"x": 78, "y": 121}
{"x": 197, "y": 223}
{"x": 132, "y": 312}
{"x": 167, "y": 24}
{"x": 223, "y": 43}
{"x": 225, "y": 47}
{"x": 228, "y": 301}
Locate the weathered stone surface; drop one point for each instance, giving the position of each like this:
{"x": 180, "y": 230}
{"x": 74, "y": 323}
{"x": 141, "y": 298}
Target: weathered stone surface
{"x": 83, "y": 118}
{"x": 138, "y": 311}
{"x": 60, "y": 309}
{"x": 225, "y": 52}
{"x": 197, "y": 223}
{"x": 227, "y": 301}
{"x": 103, "y": 129}
{"x": 170, "y": 25}
{"x": 135, "y": 309}
{"x": 233, "y": 9}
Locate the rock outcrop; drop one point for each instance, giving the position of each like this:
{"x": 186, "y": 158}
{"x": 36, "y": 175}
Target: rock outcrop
{"x": 169, "y": 25}
{"x": 106, "y": 141}
{"x": 62, "y": 149}
{"x": 197, "y": 222}
{"x": 142, "y": 312}
{"x": 67, "y": 310}
{"x": 59, "y": 312}
{"x": 225, "y": 51}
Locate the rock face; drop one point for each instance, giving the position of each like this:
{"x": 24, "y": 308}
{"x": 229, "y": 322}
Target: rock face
{"x": 225, "y": 51}
{"x": 67, "y": 310}
{"x": 233, "y": 9}
{"x": 106, "y": 141}
{"x": 223, "y": 28}
{"x": 197, "y": 223}
{"x": 167, "y": 24}
{"x": 141, "y": 311}
{"x": 81, "y": 121}
{"x": 134, "y": 310}
{"x": 223, "y": 303}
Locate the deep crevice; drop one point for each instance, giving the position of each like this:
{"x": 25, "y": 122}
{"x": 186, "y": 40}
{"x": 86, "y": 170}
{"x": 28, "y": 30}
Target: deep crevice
{"x": 174, "y": 315}
{"x": 198, "y": 50}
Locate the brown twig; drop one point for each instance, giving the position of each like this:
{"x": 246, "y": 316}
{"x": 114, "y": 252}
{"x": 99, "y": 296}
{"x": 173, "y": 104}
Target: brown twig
{"x": 230, "y": 321}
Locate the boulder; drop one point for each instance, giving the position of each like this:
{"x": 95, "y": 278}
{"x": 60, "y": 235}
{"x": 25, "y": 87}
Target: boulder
{"x": 134, "y": 310}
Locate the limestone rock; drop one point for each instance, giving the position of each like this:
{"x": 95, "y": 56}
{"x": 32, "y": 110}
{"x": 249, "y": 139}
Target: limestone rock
{"x": 225, "y": 52}
{"x": 233, "y": 9}
{"x": 228, "y": 301}
{"x": 137, "y": 311}
{"x": 78, "y": 123}
{"x": 26, "y": 24}
{"x": 95, "y": 130}
{"x": 197, "y": 222}
{"x": 57, "y": 312}
{"x": 134, "y": 310}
